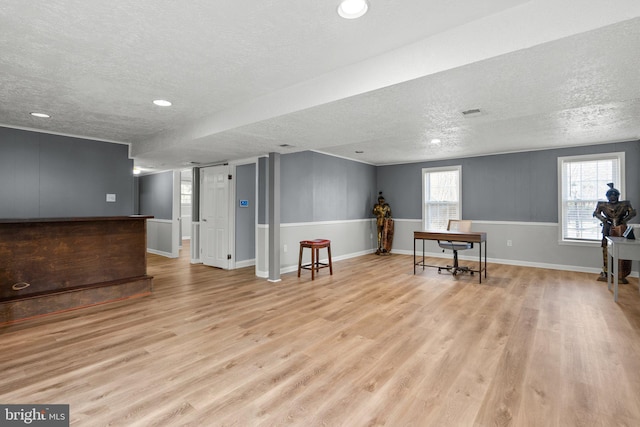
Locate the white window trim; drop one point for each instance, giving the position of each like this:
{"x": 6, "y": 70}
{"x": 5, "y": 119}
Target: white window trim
{"x": 583, "y": 158}
{"x": 442, "y": 169}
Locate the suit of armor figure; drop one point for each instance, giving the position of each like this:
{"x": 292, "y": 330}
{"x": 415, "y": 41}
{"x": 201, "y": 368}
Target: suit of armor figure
{"x": 382, "y": 211}
{"x": 614, "y": 215}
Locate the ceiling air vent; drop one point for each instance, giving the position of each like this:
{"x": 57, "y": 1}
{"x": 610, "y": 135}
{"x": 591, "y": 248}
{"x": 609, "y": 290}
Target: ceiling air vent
{"x": 471, "y": 112}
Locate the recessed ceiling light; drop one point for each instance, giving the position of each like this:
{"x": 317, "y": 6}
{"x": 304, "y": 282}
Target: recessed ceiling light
{"x": 136, "y": 171}
{"x": 352, "y": 9}
{"x": 162, "y": 103}
{"x": 41, "y": 115}
{"x": 435, "y": 141}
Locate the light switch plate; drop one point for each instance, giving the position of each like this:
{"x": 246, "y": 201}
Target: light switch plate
{"x": 111, "y": 197}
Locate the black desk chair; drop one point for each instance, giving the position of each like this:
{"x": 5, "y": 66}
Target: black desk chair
{"x": 456, "y": 225}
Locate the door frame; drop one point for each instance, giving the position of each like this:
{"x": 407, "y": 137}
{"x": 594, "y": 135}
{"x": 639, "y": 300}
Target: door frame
{"x": 196, "y": 242}
{"x": 231, "y": 189}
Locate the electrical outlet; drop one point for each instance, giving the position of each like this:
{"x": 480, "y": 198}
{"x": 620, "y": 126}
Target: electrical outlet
{"x": 509, "y": 243}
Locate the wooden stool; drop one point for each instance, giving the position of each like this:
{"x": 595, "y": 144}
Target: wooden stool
{"x": 315, "y": 265}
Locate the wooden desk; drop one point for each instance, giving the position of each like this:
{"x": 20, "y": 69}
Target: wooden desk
{"x": 454, "y": 236}
{"x": 619, "y": 248}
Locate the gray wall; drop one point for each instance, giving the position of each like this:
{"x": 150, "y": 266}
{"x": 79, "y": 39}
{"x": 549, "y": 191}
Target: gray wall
{"x": 317, "y": 187}
{"x": 245, "y": 216}
{"x": 508, "y": 187}
{"x": 53, "y": 176}
{"x": 156, "y": 195}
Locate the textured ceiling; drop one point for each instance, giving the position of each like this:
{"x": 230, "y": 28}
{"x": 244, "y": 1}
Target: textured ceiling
{"x": 246, "y": 77}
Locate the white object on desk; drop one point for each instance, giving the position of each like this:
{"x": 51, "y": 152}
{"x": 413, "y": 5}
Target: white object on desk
{"x": 619, "y": 248}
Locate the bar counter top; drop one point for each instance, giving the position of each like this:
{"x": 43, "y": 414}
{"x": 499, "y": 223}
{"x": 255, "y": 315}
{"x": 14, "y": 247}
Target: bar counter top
{"x": 72, "y": 219}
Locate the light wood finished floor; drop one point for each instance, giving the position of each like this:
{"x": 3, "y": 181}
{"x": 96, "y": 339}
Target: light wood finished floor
{"x": 371, "y": 345}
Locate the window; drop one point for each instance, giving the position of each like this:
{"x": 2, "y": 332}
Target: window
{"x": 185, "y": 192}
{"x": 583, "y": 181}
{"x": 441, "y": 189}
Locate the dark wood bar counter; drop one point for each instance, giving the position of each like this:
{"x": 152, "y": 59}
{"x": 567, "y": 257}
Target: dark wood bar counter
{"x": 49, "y": 265}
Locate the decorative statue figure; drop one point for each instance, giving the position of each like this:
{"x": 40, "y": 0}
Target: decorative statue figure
{"x": 384, "y": 223}
{"x": 614, "y": 215}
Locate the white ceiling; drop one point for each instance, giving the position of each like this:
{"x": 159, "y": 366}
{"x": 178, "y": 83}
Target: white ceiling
{"x": 247, "y": 76}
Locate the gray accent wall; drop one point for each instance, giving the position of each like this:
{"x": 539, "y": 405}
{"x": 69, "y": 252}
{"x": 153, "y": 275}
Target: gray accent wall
{"x": 507, "y": 187}
{"x": 246, "y": 216}
{"x": 156, "y": 195}
{"x": 53, "y": 176}
{"x": 317, "y": 187}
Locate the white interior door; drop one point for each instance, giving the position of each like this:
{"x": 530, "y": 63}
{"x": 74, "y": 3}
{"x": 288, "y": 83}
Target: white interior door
{"x": 214, "y": 214}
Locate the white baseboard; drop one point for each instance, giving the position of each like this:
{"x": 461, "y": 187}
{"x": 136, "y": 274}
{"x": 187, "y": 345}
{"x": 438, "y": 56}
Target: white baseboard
{"x": 245, "y": 263}
{"x": 161, "y": 253}
{"x": 591, "y": 270}
{"x": 579, "y": 269}
{"x": 292, "y": 268}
